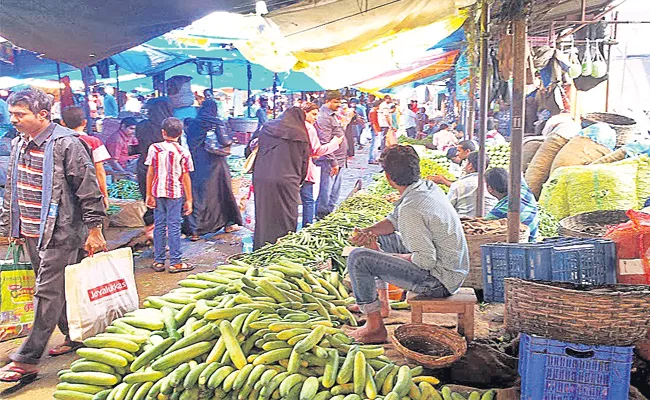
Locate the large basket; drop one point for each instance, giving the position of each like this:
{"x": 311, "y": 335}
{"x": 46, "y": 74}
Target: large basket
{"x": 625, "y": 127}
{"x": 243, "y": 124}
{"x": 430, "y": 335}
{"x": 610, "y": 315}
{"x": 592, "y": 224}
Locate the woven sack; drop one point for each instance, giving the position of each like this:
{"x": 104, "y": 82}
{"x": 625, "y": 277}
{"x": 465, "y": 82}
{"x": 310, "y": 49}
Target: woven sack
{"x": 579, "y": 151}
{"x": 539, "y": 168}
{"x": 529, "y": 150}
{"x": 179, "y": 91}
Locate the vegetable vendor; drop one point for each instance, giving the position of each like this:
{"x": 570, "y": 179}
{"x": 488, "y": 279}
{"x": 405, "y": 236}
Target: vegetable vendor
{"x": 419, "y": 247}
{"x": 496, "y": 180}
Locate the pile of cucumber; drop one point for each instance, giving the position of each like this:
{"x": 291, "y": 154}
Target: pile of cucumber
{"x": 448, "y": 394}
{"x": 241, "y": 332}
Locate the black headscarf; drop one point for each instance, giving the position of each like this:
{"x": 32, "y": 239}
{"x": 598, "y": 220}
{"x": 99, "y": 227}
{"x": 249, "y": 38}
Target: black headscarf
{"x": 159, "y": 109}
{"x": 207, "y": 114}
{"x": 290, "y": 126}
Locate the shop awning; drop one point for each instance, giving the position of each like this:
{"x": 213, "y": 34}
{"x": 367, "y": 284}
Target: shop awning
{"x": 80, "y": 33}
{"x": 147, "y": 60}
{"x": 24, "y": 64}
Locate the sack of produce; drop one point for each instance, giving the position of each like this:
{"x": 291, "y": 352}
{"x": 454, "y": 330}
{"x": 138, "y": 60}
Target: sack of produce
{"x": 579, "y": 151}
{"x": 179, "y": 91}
{"x": 554, "y": 196}
{"x": 642, "y": 177}
{"x": 600, "y": 133}
{"x": 126, "y": 213}
{"x": 601, "y": 187}
{"x": 531, "y": 145}
{"x": 539, "y": 168}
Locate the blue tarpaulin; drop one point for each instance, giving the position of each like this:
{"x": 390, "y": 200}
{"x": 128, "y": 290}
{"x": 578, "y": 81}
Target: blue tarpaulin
{"x": 146, "y": 60}
{"x": 452, "y": 42}
{"x": 27, "y": 64}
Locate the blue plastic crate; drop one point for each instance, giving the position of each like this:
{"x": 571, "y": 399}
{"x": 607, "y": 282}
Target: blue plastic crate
{"x": 554, "y": 370}
{"x": 576, "y": 261}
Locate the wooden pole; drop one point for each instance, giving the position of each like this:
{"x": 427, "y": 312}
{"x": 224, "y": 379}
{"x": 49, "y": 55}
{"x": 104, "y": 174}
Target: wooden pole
{"x": 117, "y": 84}
{"x": 471, "y": 107}
{"x": 517, "y": 128}
{"x": 58, "y": 72}
{"x": 483, "y": 107}
{"x": 249, "y": 75}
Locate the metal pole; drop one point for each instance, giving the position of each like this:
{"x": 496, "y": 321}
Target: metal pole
{"x": 609, "y": 62}
{"x": 483, "y": 107}
{"x": 275, "y": 96}
{"x": 517, "y": 128}
{"x": 58, "y": 72}
{"x": 117, "y": 84}
{"x": 249, "y": 74}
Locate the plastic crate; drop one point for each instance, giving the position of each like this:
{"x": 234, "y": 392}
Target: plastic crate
{"x": 605, "y": 249}
{"x": 561, "y": 260}
{"x": 554, "y": 370}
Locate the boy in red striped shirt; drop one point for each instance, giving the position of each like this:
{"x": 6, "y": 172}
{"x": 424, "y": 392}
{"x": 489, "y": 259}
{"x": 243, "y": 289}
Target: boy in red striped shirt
{"x": 168, "y": 181}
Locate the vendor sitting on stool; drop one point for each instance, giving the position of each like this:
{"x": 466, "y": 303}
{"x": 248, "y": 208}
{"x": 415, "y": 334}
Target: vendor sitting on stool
{"x": 419, "y": 247}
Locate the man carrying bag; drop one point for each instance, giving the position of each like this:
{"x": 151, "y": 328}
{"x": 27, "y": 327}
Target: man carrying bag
{"x": 53, "y": 204}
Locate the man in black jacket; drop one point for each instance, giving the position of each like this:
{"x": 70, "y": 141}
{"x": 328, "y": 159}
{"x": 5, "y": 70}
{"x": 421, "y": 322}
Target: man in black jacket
{"x": 54, "y": 206}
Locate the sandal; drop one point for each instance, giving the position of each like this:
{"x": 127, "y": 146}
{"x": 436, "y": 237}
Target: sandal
{"x": 195, "y": 238}
{"x": 182, "y": 267}
{"x": 158, "y": 267}
{"x": 68, "y": 346}
{"x": 232, "y": 228}
{"x": 23, "y": 376}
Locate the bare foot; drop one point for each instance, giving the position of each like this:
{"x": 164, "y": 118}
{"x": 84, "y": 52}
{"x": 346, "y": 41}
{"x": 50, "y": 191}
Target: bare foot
{"x": 385, "y": 309}
{"x": 16, "y": 372}
{"x": 367, "y": 336}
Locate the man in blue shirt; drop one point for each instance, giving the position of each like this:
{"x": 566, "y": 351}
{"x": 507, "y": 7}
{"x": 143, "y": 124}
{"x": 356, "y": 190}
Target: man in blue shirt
{"x": 110, "y": 104}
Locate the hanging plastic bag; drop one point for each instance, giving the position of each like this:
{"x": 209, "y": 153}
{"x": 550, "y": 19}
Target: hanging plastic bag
{"x": 587, "y": 63}
{"x": 17, "y": 282}
{"x": 599, "y": 66}
{"x": 98, "y": 290}
{"x": 600, "y": 133}
{"x": 575, "y": 69}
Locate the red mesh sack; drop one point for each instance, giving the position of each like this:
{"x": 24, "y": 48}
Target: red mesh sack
{"x": 632, "y": 238}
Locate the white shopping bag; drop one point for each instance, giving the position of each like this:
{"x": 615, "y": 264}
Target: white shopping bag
{"x": 98, "y": 290}
{"x": 366, "y": 135}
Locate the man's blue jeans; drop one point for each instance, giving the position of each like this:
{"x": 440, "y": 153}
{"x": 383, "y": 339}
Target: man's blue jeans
{"x": 330, "y": 186}
{"x": 371, "y": 270}
{"x": 167, "y": 225}
{"x": 307, "y": 199}
{"x": 372, "y": 151}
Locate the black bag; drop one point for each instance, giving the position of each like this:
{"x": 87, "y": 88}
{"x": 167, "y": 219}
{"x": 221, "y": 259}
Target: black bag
{"x": 217, "y": 140}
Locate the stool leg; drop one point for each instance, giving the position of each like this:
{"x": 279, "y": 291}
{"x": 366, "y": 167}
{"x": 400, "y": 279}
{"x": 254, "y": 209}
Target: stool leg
{"x": 416, "y": 314}
{"x": 469, "y": 322}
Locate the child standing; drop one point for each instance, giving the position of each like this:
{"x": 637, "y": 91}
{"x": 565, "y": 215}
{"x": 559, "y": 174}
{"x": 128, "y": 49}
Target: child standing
{"x": 168, "y": 180}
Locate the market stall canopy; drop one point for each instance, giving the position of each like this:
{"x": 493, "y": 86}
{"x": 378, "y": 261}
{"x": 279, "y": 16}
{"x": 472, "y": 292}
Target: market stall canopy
{"x": 330, "y": 40}
{"x": 427, "y": 67}
{"x": 81, "y": 33}
{"x": 147, "y": 60}
{"x": 22, "y": 64}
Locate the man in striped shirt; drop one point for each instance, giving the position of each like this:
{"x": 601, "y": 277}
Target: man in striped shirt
{"x": 53, "y": 205}
{"x": 419, "y": 247}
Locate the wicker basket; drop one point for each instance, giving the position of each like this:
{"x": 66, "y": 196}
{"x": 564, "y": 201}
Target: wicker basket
{"x": 243, "y": 124}
{"x": 430, "y": 335}
{"x": 610, "y": 315}
{"x": 625, "y": 127}
{"x": 617, "y": 155}
{"x": 592, "y": 224}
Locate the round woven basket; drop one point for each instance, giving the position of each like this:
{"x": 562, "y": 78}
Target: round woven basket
{"x": 625, "y": 127}
{"x": 591, "y": 224}
{"x": 234, "y": 257}
{"x": 609, "y": 315}
{"x": 429, "y": 336}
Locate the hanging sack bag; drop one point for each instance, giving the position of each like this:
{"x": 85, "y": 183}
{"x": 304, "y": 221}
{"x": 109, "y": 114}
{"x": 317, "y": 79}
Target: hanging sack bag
{"x": 17, "y": 281}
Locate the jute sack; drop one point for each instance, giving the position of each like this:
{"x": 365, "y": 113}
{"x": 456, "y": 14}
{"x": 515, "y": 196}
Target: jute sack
{"x": 539, "y": 168}
{"x": 579, "y": 151}
{"x": 531, "y": 145}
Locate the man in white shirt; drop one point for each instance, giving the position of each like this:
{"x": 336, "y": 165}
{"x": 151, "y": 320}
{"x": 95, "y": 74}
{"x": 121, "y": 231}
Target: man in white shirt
{"x": 463, "y": 193}
{"x": 410, "y": 122}
{"x": 444, "y": 138}
{"x": 385, "y": 119}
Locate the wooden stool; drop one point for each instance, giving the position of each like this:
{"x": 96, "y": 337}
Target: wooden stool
{"x": 462, "y": 303}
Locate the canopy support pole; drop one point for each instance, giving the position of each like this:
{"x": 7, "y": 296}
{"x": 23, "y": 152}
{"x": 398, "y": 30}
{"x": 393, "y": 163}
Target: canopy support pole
{"x": 117, "y": 87}
{"x": 275, "y": 94}
{"x": 86, "y": 106}
{"x": 249, "y": 74}
{"x": 482, "y": 129}
{"x": 517, "y": 128}
{"x": 58, "y": 73}
{"x": 211, "y": 82}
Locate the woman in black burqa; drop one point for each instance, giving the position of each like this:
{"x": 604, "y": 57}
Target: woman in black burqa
{"x": 279, "y": 170}
{"x": 149, "y": 132}
{"x": 215, "y": 206}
